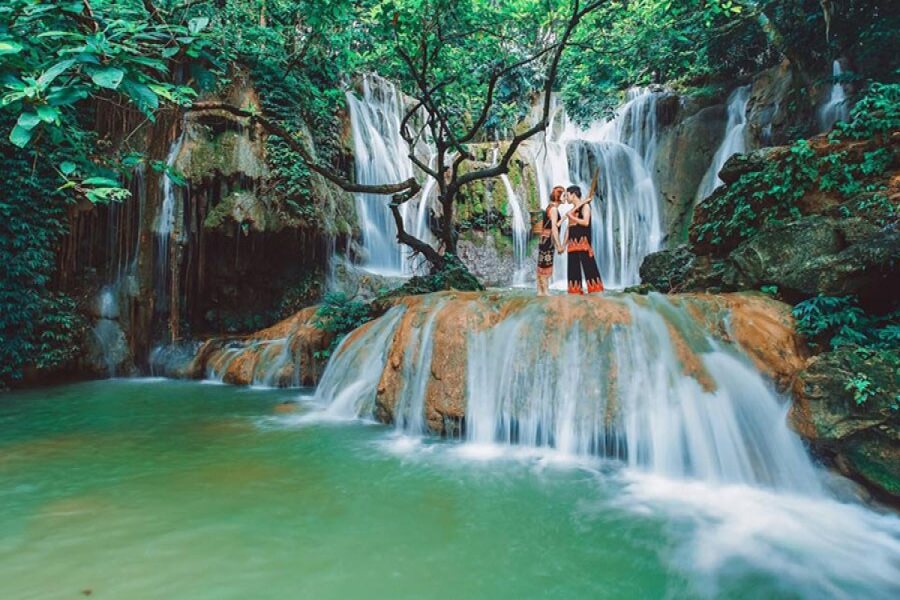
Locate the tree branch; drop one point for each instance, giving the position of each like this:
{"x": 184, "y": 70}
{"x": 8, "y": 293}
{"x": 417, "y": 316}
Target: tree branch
{"x": 502, "y": 166}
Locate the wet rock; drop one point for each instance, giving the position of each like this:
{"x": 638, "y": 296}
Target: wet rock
{"x": 862, "y": 439}
{"x": 492, "y": 264}
{"x": 684, "y": 154}
{"x": 815, "y": 255}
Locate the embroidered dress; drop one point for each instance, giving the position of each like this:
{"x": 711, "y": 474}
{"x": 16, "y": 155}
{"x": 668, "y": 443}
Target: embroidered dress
{"x": 545, "y": 248}
{"x": 581, "y": 264}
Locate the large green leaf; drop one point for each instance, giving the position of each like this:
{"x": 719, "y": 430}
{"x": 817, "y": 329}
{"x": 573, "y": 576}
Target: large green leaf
{"x": 66, "y": 96}
{"x": 198, "y": 24}
{"x": 53, "y": 72}
{"x": 48, "y": 114}
{"x": 20, "y": 136}
{"x": 9, "y": 47}
{"x": 109, "y": 77}
{"x": 145, "y": 99}
{"x": 28, "y": 120}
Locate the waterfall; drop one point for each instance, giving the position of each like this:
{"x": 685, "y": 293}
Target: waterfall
{"x": 382, "y": 156}
{"x": 734, "y": 142}
{"x": 627, "y": 225}
{"x": 165, "y": 230}
{"x": 650, "y": 396}
{"x": 351, "y": 379}
{"x": 636, "y": 380}
{"x": 836, "y": 108}
{"x": 518, "y": 223}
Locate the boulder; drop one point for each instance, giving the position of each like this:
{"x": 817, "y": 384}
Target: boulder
{"x": 491, "y": 262}
{"x": 859, "y": 435}
{"x": 818, "y": 255}
{"x": 684, "y": 154}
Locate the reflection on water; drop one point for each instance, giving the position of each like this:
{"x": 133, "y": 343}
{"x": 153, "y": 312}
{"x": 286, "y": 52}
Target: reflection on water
{"x": 178, "y": 490}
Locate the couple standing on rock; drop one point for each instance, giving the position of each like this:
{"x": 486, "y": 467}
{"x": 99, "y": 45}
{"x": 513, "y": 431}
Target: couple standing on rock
{"x": 567, "y": 204}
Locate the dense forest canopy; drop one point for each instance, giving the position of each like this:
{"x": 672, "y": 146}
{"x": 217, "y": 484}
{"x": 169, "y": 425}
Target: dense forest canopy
{"x": 81, "y": 78}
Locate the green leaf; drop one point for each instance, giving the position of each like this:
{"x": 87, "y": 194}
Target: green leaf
{"x": 28, "y": 121}
{"x": 66, "y": 96}
{"x": 145, "y": 99}
{"x": 48, "y": 114}
{"x": 100, "y": 181}
{"x": 109, "y": 77}
{"x": 53, "y": 72}
{"x": 197, "y": 24}
{"x": 67, "y": 167}
{"x": 20, "y": 136}
{"x": 9, "y": 47}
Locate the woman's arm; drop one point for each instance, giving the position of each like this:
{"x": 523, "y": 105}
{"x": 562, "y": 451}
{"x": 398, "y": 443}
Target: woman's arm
{"x": 554, "y": 229}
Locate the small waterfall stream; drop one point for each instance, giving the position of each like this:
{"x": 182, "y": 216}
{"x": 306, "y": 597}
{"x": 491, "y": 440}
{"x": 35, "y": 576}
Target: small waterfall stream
{"x": 836, "y": 108}
{"x": 734, "y": 141}
{"x": 165, "y": 230}
{"x": 382, "y": 156}
{"x": 627, "y": 225}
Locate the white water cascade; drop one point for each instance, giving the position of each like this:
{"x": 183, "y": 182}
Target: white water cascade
{"x": 627, "y": 225}
{"x": 165, "y": 230}
{"x": 519, "y": 223}
{"x": 382, "y": 157}
{"x": 675, "y": 419}
{"x": 836, "y": 107}
{"x": 734, "y": 141}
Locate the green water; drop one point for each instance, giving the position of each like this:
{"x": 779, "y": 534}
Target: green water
{"x": 159, "y": 489}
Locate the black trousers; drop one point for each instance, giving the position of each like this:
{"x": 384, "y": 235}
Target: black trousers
{"x": 583, "y": 266}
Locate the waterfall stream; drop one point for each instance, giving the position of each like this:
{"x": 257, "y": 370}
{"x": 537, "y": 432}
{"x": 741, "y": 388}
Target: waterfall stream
{"x": 165, "y": 230}
{"x": 836, "y": 107}
{"x": 382, "y": 156}
{"x": 734, "y": 141}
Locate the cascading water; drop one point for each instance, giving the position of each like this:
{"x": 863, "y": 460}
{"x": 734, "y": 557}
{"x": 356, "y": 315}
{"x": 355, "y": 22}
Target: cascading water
{"x": 381, "y": 157}
{"x": 701, "y": 435}
{"x": 734, "y": 142}
{"x": 165, "y": 230}
{"x": 518, "y": 222}
{"x": 351, "y": 379}
{"x": 836, "y": 108}
{"x": 627, "y": 225}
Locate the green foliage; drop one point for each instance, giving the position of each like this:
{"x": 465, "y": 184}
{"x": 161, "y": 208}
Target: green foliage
{"x": 39, "y": 328}
{"x": 839, "y": 321}
{"x": 877, "y": 113}
{"x": 339, "y": 315}
{"x": 767, "y": 194}
{"x": 61, "y": 60}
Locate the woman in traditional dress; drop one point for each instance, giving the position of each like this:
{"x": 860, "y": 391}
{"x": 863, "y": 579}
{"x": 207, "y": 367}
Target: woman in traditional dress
{"x": 549, "y": 241}
{"x": 582, "y": 264}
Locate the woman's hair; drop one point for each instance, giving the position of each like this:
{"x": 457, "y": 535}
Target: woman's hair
{"x": 556, "y": 193}
{"x": 574, "y": 189}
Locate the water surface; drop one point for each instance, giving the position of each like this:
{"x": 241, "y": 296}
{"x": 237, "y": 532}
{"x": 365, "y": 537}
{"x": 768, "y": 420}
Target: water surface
{"x": 141, "y": 489}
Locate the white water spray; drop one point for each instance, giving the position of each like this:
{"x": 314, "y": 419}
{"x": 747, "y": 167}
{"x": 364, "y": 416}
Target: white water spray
{"x": 734, "y": 142}
{"x": 836, "y": 108}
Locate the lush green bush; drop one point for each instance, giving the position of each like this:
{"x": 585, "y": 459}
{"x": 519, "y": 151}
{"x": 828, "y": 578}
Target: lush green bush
{"x": 873, "y": 340}
{"x": 876, "y": 113}
{"x": 838, "y": 321}
{"x": 339, "y": 315}
{"x": 38, "y": 327}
